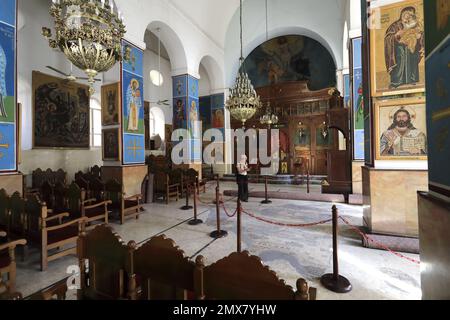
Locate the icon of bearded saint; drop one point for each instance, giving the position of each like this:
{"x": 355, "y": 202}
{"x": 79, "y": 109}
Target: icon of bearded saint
{"x": 402, "y": 138}
{"x": 404, "y": 49}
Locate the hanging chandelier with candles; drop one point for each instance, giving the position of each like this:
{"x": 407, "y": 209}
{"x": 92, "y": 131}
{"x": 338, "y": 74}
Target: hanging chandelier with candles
{"x": 269, "y": 118}
{"x": 243, "y": 101}
{"x": 89, "y": 33}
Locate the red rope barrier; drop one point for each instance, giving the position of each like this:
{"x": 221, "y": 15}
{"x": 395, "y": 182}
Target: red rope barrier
{"x": 379, "y": 244}
{"x": 287, "y": 224}
{"x": 226, "y": 211}
{"x": 362, "y": 234}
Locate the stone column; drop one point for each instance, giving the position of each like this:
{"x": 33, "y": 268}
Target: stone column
{"x": 186, "y": 115}
{"x": 129, "y": 167}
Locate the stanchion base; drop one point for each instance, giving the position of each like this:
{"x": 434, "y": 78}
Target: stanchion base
{"x": 195, "y": 222}
{"x": 218, "y": 234}
{"x": 266, "y": 202}
{"x": 186, "y": 208}
{"x": 339, "y": 285}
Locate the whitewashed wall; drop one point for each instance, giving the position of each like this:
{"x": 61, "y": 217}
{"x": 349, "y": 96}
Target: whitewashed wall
{"x": 33, "y": 53}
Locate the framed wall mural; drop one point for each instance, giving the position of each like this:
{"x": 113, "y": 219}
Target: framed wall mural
{"x": 8, "y": 106}
{"x": 111, "y": 144}
{"x": 401, "y": 129}
{"x": 398, "y": 49}
{"x": 61, "y": 113}
{"x": 110, "y": 104}
{"x": 357, "y": 99}
{"x": 438, "y": 118}
{"x": 437, "y": 23}
{"x": 179, "y": 113}
{"x": 132, "y": 105}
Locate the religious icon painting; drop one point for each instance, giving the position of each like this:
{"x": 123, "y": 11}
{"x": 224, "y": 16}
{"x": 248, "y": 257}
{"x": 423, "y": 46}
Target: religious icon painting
{"x": 193, "y": 118}
{"x": 133, "y": 104}
{"x": 398, "y": 49}
{"x": 110, "y": 104}
{"x": 61, "y": 113}
{"x": 111, "y": 146}
{"x": 401, "y": 129}
{"x": 193, "y": 87}
{"x": 133, "y": 59}
{"x": 7, "y": 73}
{"x": 179, "y": 113}
{"x": 179, "y": 86}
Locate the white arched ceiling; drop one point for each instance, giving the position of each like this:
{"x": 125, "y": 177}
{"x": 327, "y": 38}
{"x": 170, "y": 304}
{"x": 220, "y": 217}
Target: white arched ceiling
{"x": 321, "y": 20}
{"x": 215, "y": 73}
{"x": 173, "y": 45}
{"x": 178, "y": 31}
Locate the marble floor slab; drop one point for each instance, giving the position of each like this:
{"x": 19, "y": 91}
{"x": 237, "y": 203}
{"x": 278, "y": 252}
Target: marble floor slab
{"x": 292, "y": 252}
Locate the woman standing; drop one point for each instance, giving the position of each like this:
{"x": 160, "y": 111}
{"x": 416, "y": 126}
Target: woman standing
{"x": 242, "y": 179}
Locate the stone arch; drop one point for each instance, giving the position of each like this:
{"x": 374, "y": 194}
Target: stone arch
{"x": 214, "y": 71}
{"x": 173, "y": 45}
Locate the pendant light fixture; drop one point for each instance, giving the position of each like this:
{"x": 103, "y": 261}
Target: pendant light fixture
{"x": 243, "y": 101}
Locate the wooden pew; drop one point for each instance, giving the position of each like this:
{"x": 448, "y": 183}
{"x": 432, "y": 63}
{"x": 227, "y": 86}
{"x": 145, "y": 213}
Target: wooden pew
{"x": 164, "y": 272}
{"x": 57, "y": 291}
{"x": 241, "y": 276}
{"x": 107, "y": 258}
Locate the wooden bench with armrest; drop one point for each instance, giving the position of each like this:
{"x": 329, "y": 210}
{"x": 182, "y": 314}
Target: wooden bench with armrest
{"x": 49, "y": 234}
{"x": 90, "y": 209}
{"x": 127, "y": 206}
{"x": 241, "y": 276}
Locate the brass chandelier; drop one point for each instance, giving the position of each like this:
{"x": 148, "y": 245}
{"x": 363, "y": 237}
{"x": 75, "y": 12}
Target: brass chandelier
{"x": 89, "y": 33}
{"x": 269, "y": 118}
{"x": 243, "y": 101}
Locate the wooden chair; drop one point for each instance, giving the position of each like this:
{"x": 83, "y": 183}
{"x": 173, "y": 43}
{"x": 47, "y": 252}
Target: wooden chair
{"x": 243, "y": 277}
{"x": 96, "y": 172}
{"x": 50, "y": 234}
{"x": 127, "y": 207}
{"x": 163, "y": 271}
{"x": 8, "y": 263}
{"x": 107, "y": 258}
{"x": 164, "y": 188}
{"x": 91, "y": 209}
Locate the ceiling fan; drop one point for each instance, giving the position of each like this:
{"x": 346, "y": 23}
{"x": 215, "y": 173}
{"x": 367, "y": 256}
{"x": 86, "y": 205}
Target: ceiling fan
{"x": 69, "y": 77}
{"x": 160, "y": 102}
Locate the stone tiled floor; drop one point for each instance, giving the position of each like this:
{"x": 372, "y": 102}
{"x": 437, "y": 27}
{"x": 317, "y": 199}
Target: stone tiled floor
{"x": 291, "y": 252}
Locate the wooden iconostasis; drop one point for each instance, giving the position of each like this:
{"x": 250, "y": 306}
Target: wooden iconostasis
{"x": 305, "y": 139}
